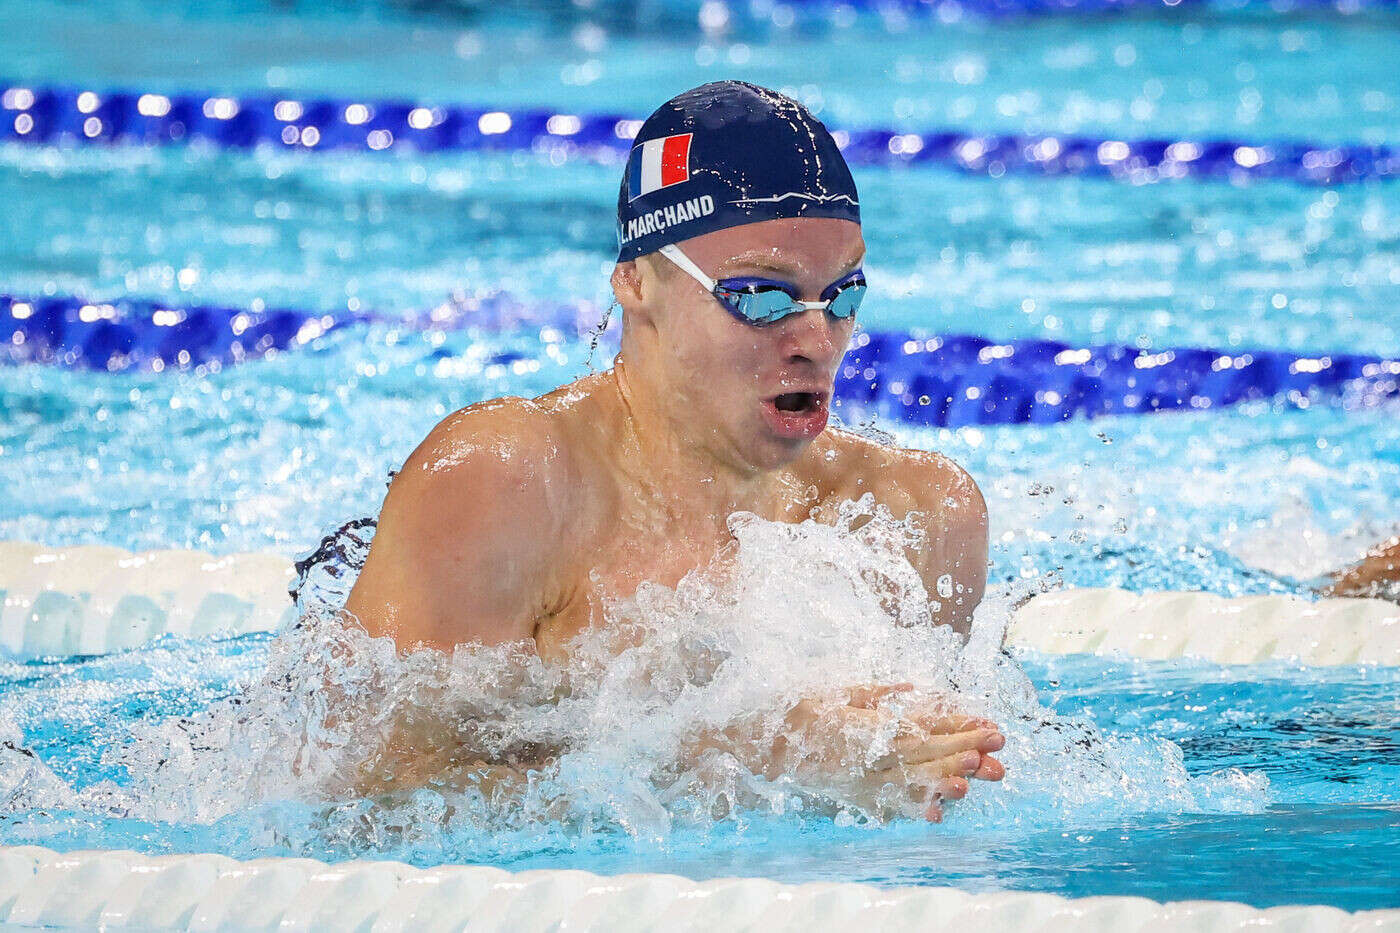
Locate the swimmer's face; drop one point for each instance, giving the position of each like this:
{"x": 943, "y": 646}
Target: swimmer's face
{"x": 754, "y": 396}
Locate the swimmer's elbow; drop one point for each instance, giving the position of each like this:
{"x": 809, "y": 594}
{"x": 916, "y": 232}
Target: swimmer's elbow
{"x": 972, "y": 530}
{"x": 954, "y": 565}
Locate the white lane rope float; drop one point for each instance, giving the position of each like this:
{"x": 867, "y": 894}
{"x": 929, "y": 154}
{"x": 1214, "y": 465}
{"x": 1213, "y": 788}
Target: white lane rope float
{"x": 119, "y": 890}
{"x": 57, "y": 602}
{"x": 60, "y": 602}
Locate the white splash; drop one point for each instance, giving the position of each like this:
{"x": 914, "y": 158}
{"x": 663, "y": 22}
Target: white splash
{"x": 622, "y": 738}
{"x": 1294, "y": 542}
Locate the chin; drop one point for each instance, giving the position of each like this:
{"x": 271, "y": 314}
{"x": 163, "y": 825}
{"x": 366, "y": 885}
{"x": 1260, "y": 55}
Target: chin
{"x": 774, "y": 453}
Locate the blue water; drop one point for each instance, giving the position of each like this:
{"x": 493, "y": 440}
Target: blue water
{"x": 273, "y": 454}
{"x": 1328, "y": 740}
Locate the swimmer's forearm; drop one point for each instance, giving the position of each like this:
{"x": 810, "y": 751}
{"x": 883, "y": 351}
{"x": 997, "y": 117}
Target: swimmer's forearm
{"x": 429, "y": 751}
{"x": 754, "y": 746}
{"x": 403, "y": 769}
{"x": 496, "y": 782}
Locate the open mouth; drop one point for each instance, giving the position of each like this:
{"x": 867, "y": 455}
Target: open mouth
{"x": 797, "y": 415}
{"x": 798, "y": 402}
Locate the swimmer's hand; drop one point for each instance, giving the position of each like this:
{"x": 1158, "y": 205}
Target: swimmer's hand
{"x": 933, "y": 752}
{"x": 888, "y": 748}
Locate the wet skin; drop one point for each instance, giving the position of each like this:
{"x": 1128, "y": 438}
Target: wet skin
{"x": 1376, "y": 576}
{"x": 516, "y": 519}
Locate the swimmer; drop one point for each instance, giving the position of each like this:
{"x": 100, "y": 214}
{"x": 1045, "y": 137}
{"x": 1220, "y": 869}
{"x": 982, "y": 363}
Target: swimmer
{"x": 739, "y": 278}
{"x": 1377, "y": 575}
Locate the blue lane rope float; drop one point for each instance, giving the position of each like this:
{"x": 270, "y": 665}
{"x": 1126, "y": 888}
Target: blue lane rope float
{"x": 947, "y": 381}
{"x": 74, "y": 116}
{"x": 958, "y": 380}
{"x": 953, "y": 10}
{"x": 133, "y": 333}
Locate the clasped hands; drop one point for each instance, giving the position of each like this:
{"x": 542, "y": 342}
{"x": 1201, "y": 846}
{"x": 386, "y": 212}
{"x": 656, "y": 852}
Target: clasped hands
{"x": 888, "y": 747}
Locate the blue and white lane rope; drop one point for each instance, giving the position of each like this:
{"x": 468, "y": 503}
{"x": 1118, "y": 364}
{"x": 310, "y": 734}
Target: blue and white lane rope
{"x": 719, "y": 19}
{"x": 947, "y": 381}
{"x": 840, "y": 11}
{"x": 957, "y": 380}
{"x": 74, "y": 116}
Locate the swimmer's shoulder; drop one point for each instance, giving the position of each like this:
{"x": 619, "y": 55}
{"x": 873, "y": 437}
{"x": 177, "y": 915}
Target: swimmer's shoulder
{"x": 952, "y": 510}
{"x": 537, "y": 457}
{"x": 903, "y": 479}
{"x": 512, "y": 449}
{"x": 478, "y": 531}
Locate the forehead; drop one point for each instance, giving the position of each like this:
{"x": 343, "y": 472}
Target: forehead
{"x": 821, "y": 247}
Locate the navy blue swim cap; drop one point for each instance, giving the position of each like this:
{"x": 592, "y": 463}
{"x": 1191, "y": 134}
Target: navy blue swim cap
{"x": 723, "y": 155}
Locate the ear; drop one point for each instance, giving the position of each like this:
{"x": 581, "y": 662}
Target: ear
{"x": 627, "y": 284}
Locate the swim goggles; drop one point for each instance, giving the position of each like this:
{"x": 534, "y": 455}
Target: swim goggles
{"x": 765, "y": 301}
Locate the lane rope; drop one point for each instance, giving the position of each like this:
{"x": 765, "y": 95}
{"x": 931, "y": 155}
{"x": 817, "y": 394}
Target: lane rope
{"x": 71, "y": 116}
{"x": 114, "y": 889}
{"x": 951, "y": 11}
{"x": 943, "y": 381}
{"x": 85, "y": 600}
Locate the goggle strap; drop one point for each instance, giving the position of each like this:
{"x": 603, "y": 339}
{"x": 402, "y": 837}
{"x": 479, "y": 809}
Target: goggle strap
{"x": 682, "y": 261}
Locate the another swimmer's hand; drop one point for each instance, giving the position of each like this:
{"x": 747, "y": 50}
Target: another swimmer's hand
{"x": 933, "y": 753}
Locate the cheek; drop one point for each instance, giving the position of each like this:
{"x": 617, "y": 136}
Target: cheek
{"x": 841, "y": 334}
{"x": 719, "y": 354}
{"x": 721, "y": 365}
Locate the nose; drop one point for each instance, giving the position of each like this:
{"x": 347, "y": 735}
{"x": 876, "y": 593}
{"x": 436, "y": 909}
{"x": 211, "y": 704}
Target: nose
{"x": 809, "y": 335}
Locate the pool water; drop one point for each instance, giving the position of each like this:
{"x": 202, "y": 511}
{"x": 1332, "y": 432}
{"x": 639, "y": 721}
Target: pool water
{"x": 1319, "y": 747}
{"x": 275, "y": 453}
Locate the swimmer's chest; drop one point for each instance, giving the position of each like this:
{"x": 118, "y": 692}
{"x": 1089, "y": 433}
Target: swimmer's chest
{"x": 632, "y": 553}
{"x": 612, "y": 571}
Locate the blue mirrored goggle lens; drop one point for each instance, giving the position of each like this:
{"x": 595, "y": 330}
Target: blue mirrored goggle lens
{"x": 762, "y": 307}
{"x": 770, "y": 305}
{"x": 847, "y": 301}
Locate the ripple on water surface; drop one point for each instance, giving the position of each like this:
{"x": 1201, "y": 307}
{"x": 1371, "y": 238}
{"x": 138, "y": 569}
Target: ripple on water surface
{"x": 187, "y": 746}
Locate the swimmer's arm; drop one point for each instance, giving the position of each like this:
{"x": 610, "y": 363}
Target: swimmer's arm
{"x": 1377, "y": 573}
{"x": 467, "y": 538}
{"x": 953, "y": 559}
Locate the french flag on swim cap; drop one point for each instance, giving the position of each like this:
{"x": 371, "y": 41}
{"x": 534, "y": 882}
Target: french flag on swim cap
{"x": 657, "y": 164}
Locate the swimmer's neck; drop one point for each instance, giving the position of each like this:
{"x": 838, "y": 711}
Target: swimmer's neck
{"x": 658, "y": 455}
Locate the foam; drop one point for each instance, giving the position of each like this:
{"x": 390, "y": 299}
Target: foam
{"x": 621, "y": 740}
